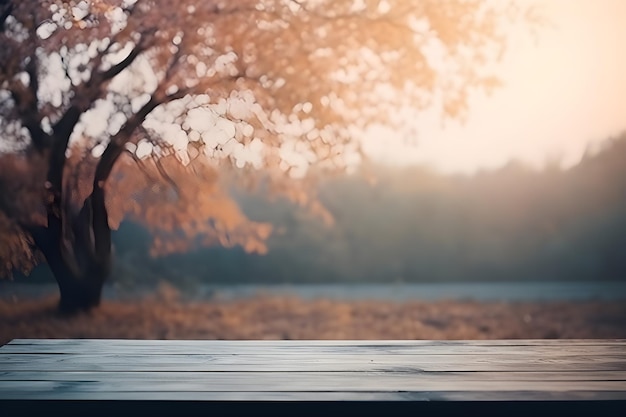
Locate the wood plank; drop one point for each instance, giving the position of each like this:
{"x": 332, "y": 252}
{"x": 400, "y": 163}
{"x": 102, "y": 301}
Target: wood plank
{"x": 148, "y": 370}
{"x": 290, "y": 382}
{"x": 176, "y": 350}
{"x": 200, "y": 346}
{"x": 203, "y": 375}
{"x": 227, "y": 396}
{"x": 318, "y": 396}
{"x": 260, "y": 355}
{"x": 248, "y": 347}
{"x": 312, "y": 362}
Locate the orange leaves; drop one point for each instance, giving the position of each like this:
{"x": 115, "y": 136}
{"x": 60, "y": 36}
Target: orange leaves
{"x": 190, "y": 211}
{"x": 21, "y": 185}
{"x": 15, "y": 249}
{"x": 314, "y": 77}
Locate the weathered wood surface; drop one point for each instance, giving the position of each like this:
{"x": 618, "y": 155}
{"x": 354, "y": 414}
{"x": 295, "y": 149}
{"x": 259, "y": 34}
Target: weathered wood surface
{"x": 569, "y": 373}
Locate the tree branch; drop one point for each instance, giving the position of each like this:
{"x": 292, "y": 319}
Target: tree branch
{"x": 26, "y": 104}
{"x": 61, "y": 134}
{"x": 165, "y": 175}
{"x": 157, "y": 162}
{"x": 27, "y": 111}
{"x": 101, "y": 77}
{"x": 116, "y": 146}
{"x": 96, "y": 200}
{"x": 87, "y": 93}
{"x": 6, "y": 7}
{"x": 32, "y": 121}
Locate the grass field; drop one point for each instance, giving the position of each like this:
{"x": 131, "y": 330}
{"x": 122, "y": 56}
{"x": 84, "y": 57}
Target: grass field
{"x": 164, "y": 314}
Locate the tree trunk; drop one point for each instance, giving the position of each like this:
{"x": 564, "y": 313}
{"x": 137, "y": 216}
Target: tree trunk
{"x": 79, "y": 292}
{"x": 80, "y": 261}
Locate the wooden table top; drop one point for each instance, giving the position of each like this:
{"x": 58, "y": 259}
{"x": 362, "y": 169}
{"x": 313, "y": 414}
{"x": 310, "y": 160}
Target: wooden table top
{"x": 79, "y": 371}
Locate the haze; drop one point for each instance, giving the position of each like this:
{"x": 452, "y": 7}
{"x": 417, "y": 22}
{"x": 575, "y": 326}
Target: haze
{"x": 564, "y": 93}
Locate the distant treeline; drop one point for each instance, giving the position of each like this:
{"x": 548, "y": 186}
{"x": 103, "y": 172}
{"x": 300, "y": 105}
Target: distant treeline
{"x": 413, "y": 225}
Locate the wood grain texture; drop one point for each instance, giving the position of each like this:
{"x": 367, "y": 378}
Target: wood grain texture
{"x": 118, "y": 372}
{"x": 320, "y": 361}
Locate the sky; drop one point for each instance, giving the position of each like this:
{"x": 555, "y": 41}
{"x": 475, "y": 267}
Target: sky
{"x": 563, "y": 92}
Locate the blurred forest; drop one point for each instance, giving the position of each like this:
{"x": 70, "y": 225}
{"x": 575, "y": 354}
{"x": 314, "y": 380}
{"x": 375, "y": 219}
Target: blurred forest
{"x": 413, "y": 225}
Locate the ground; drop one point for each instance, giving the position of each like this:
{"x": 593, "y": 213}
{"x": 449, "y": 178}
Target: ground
{"x": 166, "y": 315}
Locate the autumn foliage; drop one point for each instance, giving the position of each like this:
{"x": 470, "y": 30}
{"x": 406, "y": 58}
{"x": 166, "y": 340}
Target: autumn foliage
{"x": 113, "y": 108}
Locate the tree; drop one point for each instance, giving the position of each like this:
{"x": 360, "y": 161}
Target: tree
{"x": 274, "y": 89}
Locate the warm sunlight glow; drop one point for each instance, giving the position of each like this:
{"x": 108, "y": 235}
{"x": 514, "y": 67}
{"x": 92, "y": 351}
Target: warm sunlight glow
{"x": 563, "y": 92}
